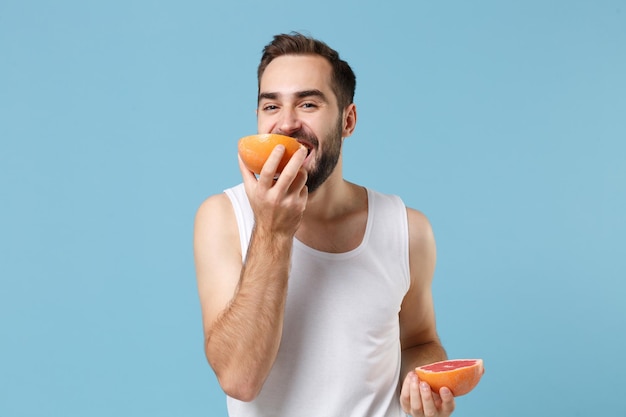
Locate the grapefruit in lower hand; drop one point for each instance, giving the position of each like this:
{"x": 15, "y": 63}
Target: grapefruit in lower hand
{"x": 255, "y": 149}
{"x": 459, "y": 375}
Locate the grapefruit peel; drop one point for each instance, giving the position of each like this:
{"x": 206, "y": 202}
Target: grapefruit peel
{"x": 255, "y": 149}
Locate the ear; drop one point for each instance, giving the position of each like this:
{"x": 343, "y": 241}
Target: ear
{"x": 349, "y": 120}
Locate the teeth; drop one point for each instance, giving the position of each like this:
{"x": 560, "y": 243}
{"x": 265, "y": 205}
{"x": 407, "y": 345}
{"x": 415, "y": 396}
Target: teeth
{"x": 308, "y": 149}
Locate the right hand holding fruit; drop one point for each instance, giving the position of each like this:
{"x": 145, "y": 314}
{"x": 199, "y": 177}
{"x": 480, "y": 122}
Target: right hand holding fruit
{"x": 278, "y": 202}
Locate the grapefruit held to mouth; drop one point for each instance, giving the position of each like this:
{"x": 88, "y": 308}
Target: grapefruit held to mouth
{"x": 255, "y": 149}
{"x": 458, "y": 375}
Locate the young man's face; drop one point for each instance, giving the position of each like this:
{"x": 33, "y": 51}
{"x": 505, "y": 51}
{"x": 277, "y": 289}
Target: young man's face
{"x": 296, "y": 99}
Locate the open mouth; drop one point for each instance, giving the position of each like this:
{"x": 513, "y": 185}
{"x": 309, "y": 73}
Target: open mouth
{"x": 308, "y": 147}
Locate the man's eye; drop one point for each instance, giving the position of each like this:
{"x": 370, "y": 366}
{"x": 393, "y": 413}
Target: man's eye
{"x": 270, "y": 107}
{"x": 309, "y": 105}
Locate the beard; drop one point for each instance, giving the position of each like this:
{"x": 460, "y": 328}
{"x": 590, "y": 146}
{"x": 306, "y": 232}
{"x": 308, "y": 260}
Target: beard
{"x": 326, "y": 158}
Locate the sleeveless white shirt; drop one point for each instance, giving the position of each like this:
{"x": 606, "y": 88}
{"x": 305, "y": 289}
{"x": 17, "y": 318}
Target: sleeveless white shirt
{"x": 340, "y": 349}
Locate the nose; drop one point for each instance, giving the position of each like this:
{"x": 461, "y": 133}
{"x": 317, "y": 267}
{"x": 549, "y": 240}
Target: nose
{"x": 288, "y": 122}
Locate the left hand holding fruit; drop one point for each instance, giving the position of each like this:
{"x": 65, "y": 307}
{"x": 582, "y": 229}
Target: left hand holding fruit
{"x": 418, "y": 400}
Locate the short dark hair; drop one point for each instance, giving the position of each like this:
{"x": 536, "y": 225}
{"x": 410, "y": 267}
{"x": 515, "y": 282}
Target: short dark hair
{"x": 343, "y": 79}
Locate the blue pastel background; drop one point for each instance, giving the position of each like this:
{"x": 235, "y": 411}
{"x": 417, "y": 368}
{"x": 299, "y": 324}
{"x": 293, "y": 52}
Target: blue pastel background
{"x": 503, "y": 121}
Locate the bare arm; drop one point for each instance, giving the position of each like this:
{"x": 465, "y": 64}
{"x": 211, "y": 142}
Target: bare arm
{"x": 243, "y": 303}
{"x": 418, "y": 332}
{"x": 420, "y": 342}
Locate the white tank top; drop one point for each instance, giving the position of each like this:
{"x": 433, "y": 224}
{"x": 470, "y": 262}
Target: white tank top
{"x": 340, "y": 351}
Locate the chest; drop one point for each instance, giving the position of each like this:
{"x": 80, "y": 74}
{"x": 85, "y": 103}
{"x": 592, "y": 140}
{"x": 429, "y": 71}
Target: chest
{"x": 350, "y": 297}
{"x": 338, "y": 236}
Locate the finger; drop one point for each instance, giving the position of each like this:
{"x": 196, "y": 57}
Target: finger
{"x": 245, "y": 172}
{"x": 249, "y": 179}
{"x": 292, "y": 169}
{"x": 305, "y": 191}
{"x": 268, "y": 172}
{"x": 417, "y": 408}
{"x": 405, "y": 394}
{"x": 428, "y": 401}
{"x": 447, "y": 401}
{"x": 299, "y": 182}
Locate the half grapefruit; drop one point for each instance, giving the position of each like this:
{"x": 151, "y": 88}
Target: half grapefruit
{"x": 459, "y": 375}
{"x": 255, "y": 149}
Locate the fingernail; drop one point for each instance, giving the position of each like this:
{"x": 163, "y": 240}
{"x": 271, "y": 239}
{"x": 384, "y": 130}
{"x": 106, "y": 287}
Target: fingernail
{"x": 424, "y": 386}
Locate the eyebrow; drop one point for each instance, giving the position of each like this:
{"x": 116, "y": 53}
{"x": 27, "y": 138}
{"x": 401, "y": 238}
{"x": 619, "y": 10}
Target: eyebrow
{"x": 311, "y": 93}
{"x": 298, "y": 94}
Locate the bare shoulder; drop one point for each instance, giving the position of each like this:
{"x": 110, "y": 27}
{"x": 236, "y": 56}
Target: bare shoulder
{"x": 417, "y": 320}
{"x": 215, "y": 205}
{"x": 422, "y": 249}
{"x": 217, "y": 254}
{"x": 215, "y": 228}
{"x": 421, "y": 236}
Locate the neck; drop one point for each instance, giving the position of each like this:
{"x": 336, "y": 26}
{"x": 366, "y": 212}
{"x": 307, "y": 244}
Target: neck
{"x": 329, "y": 197}
{"x": 335, "y": 216}
{"x": 334, "y": 199}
